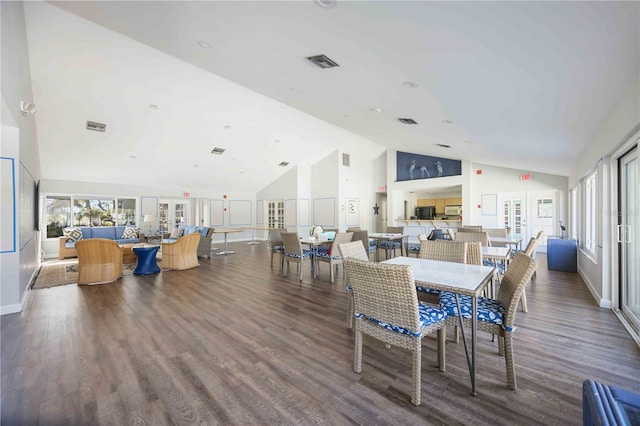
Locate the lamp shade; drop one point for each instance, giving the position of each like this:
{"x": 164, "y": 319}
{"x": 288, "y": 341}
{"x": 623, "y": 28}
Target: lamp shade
{"x": 149, "y": 218}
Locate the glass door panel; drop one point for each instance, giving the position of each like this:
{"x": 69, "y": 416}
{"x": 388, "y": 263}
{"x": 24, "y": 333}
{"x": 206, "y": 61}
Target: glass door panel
{"x": 512, "y": 210}
{"x": 628, "y": 238}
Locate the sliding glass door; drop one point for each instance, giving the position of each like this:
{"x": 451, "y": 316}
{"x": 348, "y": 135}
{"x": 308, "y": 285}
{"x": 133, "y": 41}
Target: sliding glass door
{"x": 629, "y": 237}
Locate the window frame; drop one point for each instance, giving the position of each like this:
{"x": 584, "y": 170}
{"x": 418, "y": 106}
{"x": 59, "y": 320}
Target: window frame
{"x": 590, "y": 206}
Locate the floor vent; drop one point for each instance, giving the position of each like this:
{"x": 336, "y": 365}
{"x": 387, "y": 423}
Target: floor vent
{"x": 323, "y": 61}
{"x": 98, "y": 127}
{"x": 346, "y": 160}
{"x": 407, "y": 121}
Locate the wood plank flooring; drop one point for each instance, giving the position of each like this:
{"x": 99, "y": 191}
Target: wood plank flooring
{"x": 233, "y": 342}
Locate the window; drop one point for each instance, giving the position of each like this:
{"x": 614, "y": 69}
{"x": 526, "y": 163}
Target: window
{"x": 545, "y": 208}
{"x": 93, "y": 212}
{"x": 58, "y": 215}
{"x": 590, "y": 211}
{"x": 126, "y": 213}
{"x": 573, "y": 224}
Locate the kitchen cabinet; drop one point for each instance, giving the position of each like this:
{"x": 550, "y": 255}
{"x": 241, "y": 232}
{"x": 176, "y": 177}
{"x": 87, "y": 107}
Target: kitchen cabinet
{"x": 426, "y": 202}
{"x": 440, "y": 203}
{"x": 453, "y": 201}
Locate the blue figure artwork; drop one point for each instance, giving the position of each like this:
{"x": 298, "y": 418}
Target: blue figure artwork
{"x": 439, "y": 168}
{"x": 411, "y": 168}
{"x": 425, "y": 172}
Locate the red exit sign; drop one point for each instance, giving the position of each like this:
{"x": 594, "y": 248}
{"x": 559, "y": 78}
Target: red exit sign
{"x": 525, "y": 177}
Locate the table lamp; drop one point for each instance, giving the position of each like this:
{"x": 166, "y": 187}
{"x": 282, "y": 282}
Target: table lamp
{"x": 149, "y": 218}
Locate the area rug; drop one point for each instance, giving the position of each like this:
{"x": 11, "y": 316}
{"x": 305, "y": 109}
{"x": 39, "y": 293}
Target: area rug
{"x": 63, "y": 272}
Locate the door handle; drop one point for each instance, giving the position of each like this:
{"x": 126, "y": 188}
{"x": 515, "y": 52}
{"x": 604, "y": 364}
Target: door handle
{"x": 619, "y": 233}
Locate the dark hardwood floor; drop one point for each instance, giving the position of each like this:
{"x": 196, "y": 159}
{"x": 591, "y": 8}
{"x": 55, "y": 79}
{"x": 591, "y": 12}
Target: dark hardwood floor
{"x": 233, "y": 342}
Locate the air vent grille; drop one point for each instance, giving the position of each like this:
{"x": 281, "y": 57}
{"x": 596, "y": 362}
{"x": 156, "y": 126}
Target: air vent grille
{"x": 407, "y": 121}
{"x": 323, "y": 61}
{"x": 217, "y": 151}
{"x": 98, "y": 127}
{"x": 441, "y": 145}
{"x": 283, "y": 164}
{"x": 346, "y": 160}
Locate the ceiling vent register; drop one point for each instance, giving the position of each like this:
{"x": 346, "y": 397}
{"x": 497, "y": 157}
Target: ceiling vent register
{"x": 98, "y": 127}
{"x": 323, "y": 61}
{"x": 346, "y": 160}
{"x": 407, "y": 121}
{"x": 217, "y": 151}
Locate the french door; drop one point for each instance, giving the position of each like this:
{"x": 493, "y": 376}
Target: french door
{"x": 513, "y": 210}
{"x": 173, "y": 214}
{"x": 628, "y": 237}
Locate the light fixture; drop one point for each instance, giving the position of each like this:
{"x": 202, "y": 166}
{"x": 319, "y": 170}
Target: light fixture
{"x": 376, "y": 109}
{"x": 27, "y": 108}
{"x": 447, "y": 122}
{"x": 326, "y": 3}
{"x": 149, "y": 218}
{"x": 204, "y": 44}
{"x": 410, "y": 84}
{"x": 153, "y": 107}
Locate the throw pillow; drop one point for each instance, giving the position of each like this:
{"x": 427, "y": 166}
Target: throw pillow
{"x": 176, "y": 233}
{"x": 72, "y": 234}
{"x": 129, "y": 233}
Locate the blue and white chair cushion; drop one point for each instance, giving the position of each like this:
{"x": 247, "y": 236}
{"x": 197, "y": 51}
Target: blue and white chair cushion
{"x": 428, "y": 315}
{"x": 498, "y": 265}
{"x": 427, "y": 290}
{"x": 388, "y": 244}
{"x": 414, "y": 247}
{"x": 489, "y": 310}
{"x": 329, "y": 256}
{"x": 278, "y": 248}
{"x": 305, "y": 253}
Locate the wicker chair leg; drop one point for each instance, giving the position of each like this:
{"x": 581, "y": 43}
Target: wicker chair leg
{"x": 357, "y": 356}
{"x": 417, "y": 372}
{"x": 523, "y": 302}
{"x": 271, "y": 260}
{"x": 350, "y": 309}
{"x": 510, "y": 362}
{"x": 456, "y": 334}
{"x": 500, "y": 345}
{"x": 442, "y": 355}
{"x": 300, "y": 268}
{"x": 285, "y": 268}
{"x": 331, "y": 272}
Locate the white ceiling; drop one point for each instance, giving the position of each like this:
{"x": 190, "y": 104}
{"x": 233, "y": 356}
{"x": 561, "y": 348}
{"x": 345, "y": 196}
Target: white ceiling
{"x": 526, "y": 84}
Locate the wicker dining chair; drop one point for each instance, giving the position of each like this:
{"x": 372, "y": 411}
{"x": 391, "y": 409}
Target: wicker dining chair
{"x": 355, "y": 250}
{"x": 387, "y": 308}
{"x": 481, "y": 236}
{"x": 363, "y": 235}
{"x": 497, "y": 316}
{"x": 294, "y": 253}
{"x": 415, "y": 248}
{"x": 389, "y": 245}
{"x": 275, "y": 244}
{"x": 332, "y": 256}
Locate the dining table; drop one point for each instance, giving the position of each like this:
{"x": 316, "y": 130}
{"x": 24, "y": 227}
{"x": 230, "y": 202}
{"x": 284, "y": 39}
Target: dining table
{"x": 506, "y": 241}
{"x": 226, "y": 231}
{"x": 253, "y": 233}
{"x": 385, "y": 236}
{"x": 459, "y": 279}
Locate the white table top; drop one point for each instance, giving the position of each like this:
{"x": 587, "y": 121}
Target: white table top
{"x": 386, "y": 236}
{"x": 506, "y": 240}
{"x": 314, "y": 241}
{"x": 226, "y": 231}
{"x": 260, "y": 228}
{"x": 448, "y": 276}
{"x": 496, "y": 252}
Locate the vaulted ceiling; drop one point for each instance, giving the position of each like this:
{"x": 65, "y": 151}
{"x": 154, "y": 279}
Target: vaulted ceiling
{"x": 514, "y": 84}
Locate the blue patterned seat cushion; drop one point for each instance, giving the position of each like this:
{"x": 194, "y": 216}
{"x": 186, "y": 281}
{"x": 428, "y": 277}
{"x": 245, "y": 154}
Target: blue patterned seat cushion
{"x": 278, "y": 248}
{"x": 388, "y": 244}
{"x": 427, "y": 290}
{"x": 305, "y": 253}
{"x": 428, "y": 315}
{"x": 327, "y": 255}
{"x": 414, "y": 247}
{"x": 499, "y": 265}
{"x": 489, "y": 310}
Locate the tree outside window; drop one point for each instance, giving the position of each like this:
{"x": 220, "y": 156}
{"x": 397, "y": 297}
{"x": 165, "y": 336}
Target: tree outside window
{"x": 58, "y": 215}
{"x": 93, "y": 212}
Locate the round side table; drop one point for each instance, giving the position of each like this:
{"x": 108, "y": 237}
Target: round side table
{"x": 147, "y": 263}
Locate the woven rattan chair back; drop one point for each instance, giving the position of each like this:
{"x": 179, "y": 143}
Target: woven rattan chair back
{"x": 333, "y": 257}
{"x": 353, "y": 228}
{"x": 395, "y": 229}
{"x": 422, "y": 237}
{"x": 353, "y": 249}
{"x": 291, "y": 243}
{"x": 275, "y": 244}
{"x": 513, "y": 285}
{"x": 474, "y": 253}
{"x": 470, "y": 228}
{"x": 385, "y": 296}
{"x": 483, "y": 237}
{"x": 443, "y": 250}
{"x": 531, "y": 247}
{"x": 496, "y": 232}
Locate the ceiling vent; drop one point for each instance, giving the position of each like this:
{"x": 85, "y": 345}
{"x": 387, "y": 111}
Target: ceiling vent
{"x": 283, "y": 164}
{"x": 323, "y": 61}
{"x": 346, "y": 160}
{"x": 441, "y": 145}
{"x": 407, "y": 121}
{"x": 98, "y": 127}
{"x": 217, "y": 151}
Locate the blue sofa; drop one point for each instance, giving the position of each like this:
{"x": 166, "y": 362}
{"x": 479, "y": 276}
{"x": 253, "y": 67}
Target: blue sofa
{"x": 204, "y": 247}
{"x": 67, "y": 247}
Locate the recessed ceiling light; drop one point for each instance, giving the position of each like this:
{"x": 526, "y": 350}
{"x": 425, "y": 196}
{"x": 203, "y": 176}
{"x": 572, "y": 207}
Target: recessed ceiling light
{"x": 326, "y": 3}
{"x": 410, "y": 84}
{"x": 283, "y": 164}
{"x": 441, "y": 145}
{"x": 276, "y": 141}
{"x": 217, "y": 151}
{"x": 196, "y": 165}
{"x": 226, "y": 127}
{"x": 295, "y": 90}
{"x": 346, "y": 116}
{"x": 447, "y": 122}
{"x": 204, "y": 44}
{"x": 133, "y": 157}
{"x": 241, "y": 172}
{"x": 469, "y": 142}
{"x": 376, "y": 109}
{"x": 153, "y": 106}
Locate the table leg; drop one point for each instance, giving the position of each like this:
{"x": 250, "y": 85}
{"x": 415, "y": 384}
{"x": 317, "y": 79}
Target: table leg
{"x": 226, "y": 251}
{"x": 471, "y": 361}
{"x": 253, "y": 240}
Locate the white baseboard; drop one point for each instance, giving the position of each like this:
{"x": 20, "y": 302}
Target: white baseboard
{"x": 603, "y": 303}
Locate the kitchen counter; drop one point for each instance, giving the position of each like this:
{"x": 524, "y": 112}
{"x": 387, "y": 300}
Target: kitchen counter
{"x": 430, "y": 222}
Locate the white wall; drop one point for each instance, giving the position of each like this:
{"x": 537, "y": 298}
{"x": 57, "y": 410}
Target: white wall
{"x": 324, "y": 191}
{"x": 19, "y": 141}
{"x": 356, "y": 186}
